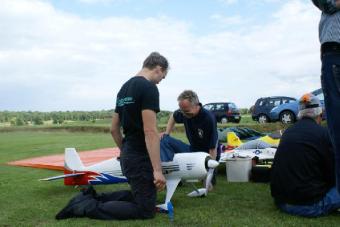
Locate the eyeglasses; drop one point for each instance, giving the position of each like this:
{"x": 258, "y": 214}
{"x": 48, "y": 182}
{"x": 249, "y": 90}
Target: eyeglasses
{"x": 188, "y": 113}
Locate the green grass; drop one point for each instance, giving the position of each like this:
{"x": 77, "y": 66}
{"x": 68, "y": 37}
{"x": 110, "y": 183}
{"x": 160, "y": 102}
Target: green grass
{"x": 24, "y": 201}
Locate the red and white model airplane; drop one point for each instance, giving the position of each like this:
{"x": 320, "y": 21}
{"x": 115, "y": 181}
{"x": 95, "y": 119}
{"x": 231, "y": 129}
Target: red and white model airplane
{"x": 189, "y": 167}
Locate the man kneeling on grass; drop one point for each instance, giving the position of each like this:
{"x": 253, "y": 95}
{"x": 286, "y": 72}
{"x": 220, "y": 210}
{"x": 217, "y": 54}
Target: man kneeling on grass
{"x": 200, "y": 128}
{"x": 303, "y": 175}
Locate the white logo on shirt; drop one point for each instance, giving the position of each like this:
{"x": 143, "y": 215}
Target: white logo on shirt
{"x": 200, "y": 133}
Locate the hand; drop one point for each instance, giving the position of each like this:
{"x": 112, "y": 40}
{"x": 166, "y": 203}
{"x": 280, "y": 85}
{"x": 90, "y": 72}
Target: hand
{"x": 337, "y": 4}
{"x": 159, "y": 180}
{"x": 162, "y": 134}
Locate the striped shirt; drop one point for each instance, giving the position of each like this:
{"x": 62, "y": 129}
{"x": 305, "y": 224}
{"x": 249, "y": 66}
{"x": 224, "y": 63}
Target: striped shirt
{"x": 329, "y": 27}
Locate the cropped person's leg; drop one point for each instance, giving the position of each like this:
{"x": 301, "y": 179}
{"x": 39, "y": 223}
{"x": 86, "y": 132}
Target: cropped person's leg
{"x": 170, "y": 146}
{"x": 330, "y": 81}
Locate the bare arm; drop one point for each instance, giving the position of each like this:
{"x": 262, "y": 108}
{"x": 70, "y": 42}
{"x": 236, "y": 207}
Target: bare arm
{"x": 213, "y": 153}
{"x": 152, "y": 145}
{"x": 115, "y": 130}
{"x": 170, "y": 125}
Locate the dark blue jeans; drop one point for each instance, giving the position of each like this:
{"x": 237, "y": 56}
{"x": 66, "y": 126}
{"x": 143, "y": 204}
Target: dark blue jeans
{"x": 330, "y": 81}
{"x": 329, "y": 203}
{"x": 137, "y": 203}
{"x": 170, "y": 146}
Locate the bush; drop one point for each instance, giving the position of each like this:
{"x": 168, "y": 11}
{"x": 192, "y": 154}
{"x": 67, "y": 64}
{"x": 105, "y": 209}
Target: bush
{"x": 38, "y": 120}
{"x": 19, "y": 122}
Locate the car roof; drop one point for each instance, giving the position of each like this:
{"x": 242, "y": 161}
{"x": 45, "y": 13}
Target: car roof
{"x": 219, "y": 103}
{"x": 273, "y": 97}
{"x": 317, "y": 91}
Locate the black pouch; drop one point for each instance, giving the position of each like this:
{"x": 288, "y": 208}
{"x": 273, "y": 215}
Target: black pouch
{"x": 260, "y": 173}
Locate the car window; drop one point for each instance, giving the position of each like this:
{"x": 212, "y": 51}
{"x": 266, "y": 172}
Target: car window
{"x": 219, "y": 107}
{"x": 274, "y": 102}
{"x": 284, "y": 100}
{"x": 262, "y": 102}
{"x": 208, "y": 106}
{"x": 287, "y": 100}
{"x": 320, "y": 96}
{"x": 232, "y": 106}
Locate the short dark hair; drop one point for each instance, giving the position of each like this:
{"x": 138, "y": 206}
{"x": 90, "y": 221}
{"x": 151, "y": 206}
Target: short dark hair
{"x": 155, "y": 59}
{"x": 190, "y": 95}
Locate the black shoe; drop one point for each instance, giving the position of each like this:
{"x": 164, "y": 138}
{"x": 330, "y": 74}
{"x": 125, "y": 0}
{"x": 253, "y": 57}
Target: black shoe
{"x": 75, "y": 207}
{"x": 89, "y": 191}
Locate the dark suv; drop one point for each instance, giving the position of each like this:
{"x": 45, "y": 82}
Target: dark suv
{"x": 263, "y": 106}
{"x": 224, "y": 111}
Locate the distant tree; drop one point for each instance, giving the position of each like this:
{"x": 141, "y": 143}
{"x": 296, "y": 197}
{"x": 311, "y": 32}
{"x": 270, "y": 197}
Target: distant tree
{"x": 19, "y": 122}
{"x": 13, "y": 121}
{"x": 163, "y": 116}
{"x": 244, "y": 111}
{"x": 37, "y": 120}
{"x": 57, "y": 118}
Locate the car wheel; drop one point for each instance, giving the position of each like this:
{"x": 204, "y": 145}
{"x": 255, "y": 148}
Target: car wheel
{"x": 287, "y": 117}
{"x": 263, "y": 119}
{"x": 224, "y": 120}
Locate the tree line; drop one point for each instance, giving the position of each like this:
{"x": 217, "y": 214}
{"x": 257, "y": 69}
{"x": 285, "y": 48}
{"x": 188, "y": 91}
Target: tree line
{"x": 19, "y": 118}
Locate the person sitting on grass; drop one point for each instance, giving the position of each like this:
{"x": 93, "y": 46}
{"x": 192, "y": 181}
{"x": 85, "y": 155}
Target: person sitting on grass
{"x": 303, "y": 175}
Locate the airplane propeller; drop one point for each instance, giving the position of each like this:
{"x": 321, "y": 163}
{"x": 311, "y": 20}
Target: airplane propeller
{"x": 211, "y": 165}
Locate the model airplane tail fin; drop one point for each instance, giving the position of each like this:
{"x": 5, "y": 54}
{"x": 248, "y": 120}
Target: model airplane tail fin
{"x": 72, "y": 160}
{"x": 271, "y": 141}
{"x": 233, "y": 140}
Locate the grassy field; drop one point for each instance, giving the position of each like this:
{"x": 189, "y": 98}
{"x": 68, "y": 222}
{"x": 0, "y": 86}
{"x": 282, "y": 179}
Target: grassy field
{"x": 24, "y": 201}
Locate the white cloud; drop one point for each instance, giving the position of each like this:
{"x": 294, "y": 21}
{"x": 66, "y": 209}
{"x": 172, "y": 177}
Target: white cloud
{"x": 228, "y": 2}
{"x": 57, "y": 61}
{"x": 232, "y": 20}
{"x": 97, "y": 1}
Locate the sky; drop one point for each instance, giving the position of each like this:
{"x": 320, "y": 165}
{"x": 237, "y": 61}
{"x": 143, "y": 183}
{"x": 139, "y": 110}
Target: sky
{"x": 58, "y": 55}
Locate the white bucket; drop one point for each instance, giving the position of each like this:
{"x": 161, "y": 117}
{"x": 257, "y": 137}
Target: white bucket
{"x": 238, "y": 169}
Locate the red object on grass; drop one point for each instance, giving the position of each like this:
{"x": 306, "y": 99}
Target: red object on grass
{"x": 56, "y": 162}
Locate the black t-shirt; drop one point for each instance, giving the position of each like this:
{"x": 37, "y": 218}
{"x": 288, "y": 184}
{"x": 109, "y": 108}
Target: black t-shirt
{"x": 136, "y": 94}
{"x": 201, "y": 130}
{"x": 303, "y": 168}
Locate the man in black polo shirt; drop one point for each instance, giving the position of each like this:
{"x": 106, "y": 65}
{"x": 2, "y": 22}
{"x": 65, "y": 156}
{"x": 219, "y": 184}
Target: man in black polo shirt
{"x": 303, "y": 177}
{"x": 200, "y": 128}
{"x": 136, "y": 107}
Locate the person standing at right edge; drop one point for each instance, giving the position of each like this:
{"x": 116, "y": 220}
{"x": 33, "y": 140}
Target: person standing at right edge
{"x": 329, "y": 35}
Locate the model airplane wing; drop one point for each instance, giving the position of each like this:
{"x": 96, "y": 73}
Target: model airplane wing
{"x": 62, "y": 176}
{"x": 267, "y": 153}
